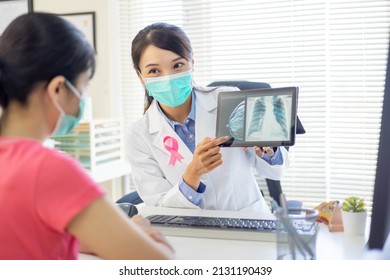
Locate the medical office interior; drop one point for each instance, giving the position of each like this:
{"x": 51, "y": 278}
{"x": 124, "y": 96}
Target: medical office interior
{"x": 334, "y": 51}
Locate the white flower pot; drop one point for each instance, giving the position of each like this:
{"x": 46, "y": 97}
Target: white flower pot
{"x": 354, "y": 222}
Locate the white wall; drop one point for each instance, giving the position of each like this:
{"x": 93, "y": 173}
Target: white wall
{"x": 105, "y": 86}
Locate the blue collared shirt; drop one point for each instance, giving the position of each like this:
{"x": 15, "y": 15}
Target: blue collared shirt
{"x": 186, "y": 132}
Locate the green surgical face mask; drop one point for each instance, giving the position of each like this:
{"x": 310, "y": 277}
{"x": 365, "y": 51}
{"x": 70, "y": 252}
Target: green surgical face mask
{"x": 172, "y": 90}
{"x": 66, "y": 123}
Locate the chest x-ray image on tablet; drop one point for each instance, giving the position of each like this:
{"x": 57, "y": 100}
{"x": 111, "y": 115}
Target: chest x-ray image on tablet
{"x": 263, "y": 117}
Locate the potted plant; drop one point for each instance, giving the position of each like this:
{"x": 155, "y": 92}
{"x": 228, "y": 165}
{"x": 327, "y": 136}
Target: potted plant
{"x": 354, "y": 215}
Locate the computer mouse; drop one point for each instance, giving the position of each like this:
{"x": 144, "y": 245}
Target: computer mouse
{"x": 129, "y": 208}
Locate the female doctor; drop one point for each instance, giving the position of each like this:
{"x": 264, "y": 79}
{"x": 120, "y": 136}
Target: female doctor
{"x": 175, "y": 160}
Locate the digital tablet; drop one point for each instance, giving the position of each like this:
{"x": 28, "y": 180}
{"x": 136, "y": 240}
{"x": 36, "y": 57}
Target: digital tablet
{"x": 259, "y": 117}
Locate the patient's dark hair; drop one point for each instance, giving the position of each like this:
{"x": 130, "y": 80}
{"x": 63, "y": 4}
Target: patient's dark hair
{"x": 164, "y": 36}
{"x": 37, "y": 47}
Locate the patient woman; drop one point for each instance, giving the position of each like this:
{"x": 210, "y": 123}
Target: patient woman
{"x": 50, "y": 206}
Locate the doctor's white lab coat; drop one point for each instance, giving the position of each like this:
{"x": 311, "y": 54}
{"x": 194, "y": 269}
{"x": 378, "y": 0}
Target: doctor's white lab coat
{"x": 231, "y": 186}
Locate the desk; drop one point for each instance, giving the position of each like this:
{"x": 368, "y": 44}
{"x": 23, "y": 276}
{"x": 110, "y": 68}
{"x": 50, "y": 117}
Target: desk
{"x": 330, "y": 246}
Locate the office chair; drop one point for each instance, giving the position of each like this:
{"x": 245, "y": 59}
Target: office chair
{"x": 132, "y": 198}
{"x": 274, "y": 187}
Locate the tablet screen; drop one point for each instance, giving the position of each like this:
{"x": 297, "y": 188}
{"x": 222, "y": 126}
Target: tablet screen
{"x": 261, "y": 117}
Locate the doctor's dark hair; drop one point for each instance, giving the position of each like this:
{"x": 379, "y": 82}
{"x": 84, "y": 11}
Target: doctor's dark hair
{"x": 164, "y": 36}
{"x": 37, "y": 47}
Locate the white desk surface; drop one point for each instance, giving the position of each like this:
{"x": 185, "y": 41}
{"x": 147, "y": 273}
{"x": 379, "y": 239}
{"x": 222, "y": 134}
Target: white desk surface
{"x": 330, "y": 246}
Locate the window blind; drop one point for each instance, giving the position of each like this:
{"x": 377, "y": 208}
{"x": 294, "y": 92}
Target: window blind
{"x": 333, "y": 50}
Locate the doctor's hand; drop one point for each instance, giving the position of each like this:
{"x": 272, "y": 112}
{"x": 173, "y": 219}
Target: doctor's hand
{"x": 206, "y": 157}
{"x": 261, "y": 150}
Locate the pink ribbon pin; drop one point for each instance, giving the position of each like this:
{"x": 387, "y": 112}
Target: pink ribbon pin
{"x": 172, "y": 146}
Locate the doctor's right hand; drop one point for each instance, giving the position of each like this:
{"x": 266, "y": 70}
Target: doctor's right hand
{"x": 206, "y": 157}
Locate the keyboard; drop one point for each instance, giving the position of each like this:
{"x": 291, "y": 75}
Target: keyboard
{"x": 225, "y": 228}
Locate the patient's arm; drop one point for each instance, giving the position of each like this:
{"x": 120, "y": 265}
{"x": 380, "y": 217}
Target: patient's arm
{"x": 102, "y": 229}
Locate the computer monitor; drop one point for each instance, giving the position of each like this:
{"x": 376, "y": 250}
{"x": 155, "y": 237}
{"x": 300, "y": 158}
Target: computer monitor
{"x": 380, "y": 221}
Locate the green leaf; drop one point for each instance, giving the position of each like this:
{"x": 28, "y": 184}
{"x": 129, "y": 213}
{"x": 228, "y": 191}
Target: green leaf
{"x": 353, "y": 204}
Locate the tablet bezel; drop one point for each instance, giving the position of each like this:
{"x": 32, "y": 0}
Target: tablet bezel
{"x": 243, "y": 95}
